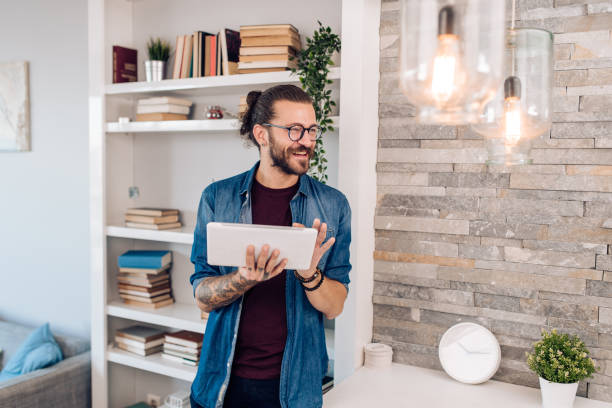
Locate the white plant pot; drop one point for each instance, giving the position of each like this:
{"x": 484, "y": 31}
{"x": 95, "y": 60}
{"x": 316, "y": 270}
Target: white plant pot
{"x": 556, "y": 395}
{"x": 154, "y": 70}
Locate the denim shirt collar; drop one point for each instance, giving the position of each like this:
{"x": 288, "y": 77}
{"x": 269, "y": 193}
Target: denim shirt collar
{"x": 247, "y": 183}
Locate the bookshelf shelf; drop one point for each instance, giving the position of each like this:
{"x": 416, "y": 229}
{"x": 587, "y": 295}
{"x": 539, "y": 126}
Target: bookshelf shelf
{"x": 154, "y": 363}
{"x": 212, "y": 85}
{"x": 216, "y": 125}
{"x": 182, "y": 316}
{"x": 182, "y": 236}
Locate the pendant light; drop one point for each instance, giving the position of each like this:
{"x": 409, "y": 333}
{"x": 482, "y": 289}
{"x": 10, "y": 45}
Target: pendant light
{"x": 451, "y": 57}
{"x": 522, "y": 108}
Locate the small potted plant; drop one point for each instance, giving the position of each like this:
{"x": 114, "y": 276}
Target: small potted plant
{"x": 159, "y": 52}
{"x": 561, "y": 361}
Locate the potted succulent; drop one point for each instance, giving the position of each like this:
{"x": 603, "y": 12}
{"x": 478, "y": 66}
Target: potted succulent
{"x": 561, "y": 361}
{"x": 313, "y": 64}
{"x": 159, "y": 52}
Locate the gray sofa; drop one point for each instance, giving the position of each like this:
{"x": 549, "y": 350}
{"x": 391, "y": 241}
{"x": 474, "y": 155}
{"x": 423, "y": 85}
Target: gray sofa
{"x": 66, "y": 384}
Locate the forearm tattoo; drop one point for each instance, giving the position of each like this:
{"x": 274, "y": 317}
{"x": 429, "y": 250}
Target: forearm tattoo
{"x": 219, "y": 291}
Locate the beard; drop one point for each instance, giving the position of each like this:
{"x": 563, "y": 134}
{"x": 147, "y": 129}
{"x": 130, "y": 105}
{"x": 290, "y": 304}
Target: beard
{"x": 286, "y": 162}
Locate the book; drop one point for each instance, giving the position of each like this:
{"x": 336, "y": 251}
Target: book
{"x": 213, "y": 55}
{"x": 186, "y": 356}
{"x": 141, "y": 333}
{"x": 138, "y": 344}
{"x": 125, "y": 62}
{"x": 259, "y": 31}
{"x": 155, "y": 299}
{"x": 230, "y": 48}
{"x": 154, "y": 226}
{"x": 267, "y": 28}
{"x": 140, "y": 352}
{"x": 265, "y": 57}
{"x": 152, "y": 212}
{"x": 132, "y": 288}
{"x": 134, "y": 278}
{"x": 165, "y": 100}
{"x": 149, "y": 305}
{"x": 135, "y": 258}
{"x": 163, "y": 108}
{"x": 144, "y": 295}
{"x": 137, "y": 279}
{"x": 185, "y": 338}
{"x": 266, "y": 50}
{"x": 152, "y": 220}
{"x": 156, "y": 117}
{"x": 291, "y": 41}
{"x": 258, "y": 70}
{"x": 267, "y": 64}
{"x": 207, "y": 45}
{"x": 145, "y": 271}
{"x": 182, "y": 349}
{"x": 178, "y": 359}
{"x": 140, "y": 282}
{"x": 186, "y": 64}
{"x": 195, "y": 54}
{"x": 178, "y": 56}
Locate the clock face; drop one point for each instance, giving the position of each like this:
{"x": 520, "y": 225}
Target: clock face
{"x": 469, "y": 353}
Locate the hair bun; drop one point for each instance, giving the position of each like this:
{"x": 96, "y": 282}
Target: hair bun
{"x": 252, "y": 98}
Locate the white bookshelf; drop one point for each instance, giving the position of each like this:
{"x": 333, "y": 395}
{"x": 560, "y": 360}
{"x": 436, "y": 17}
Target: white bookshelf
{"x": 241, "y": 84}
{"x": 172, "y": 162}
{"x": 182, "y": 316}
{"x": 206, "y": 126}
{"x": 179, "y": 236}
{"x": 154, "y": 363}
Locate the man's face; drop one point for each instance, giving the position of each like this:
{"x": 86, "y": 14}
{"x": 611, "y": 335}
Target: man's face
{"x": 289, "y": 156}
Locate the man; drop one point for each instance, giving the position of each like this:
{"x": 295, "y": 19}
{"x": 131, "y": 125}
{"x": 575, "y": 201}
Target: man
{"x": 264, "y": 344}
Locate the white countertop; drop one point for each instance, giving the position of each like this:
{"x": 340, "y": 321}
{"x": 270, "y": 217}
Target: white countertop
{"x": 415, "y": 387}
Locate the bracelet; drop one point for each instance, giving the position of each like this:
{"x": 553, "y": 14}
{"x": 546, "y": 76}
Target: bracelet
{"x": 311, "y": 279}
{"x": 317, "y": 285}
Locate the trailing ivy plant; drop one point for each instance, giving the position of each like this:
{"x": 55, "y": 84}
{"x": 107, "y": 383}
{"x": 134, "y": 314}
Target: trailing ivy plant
{"x": 158, "y": 49}
{"x": 313, "y": 64}
{"x": 561, "y": 358}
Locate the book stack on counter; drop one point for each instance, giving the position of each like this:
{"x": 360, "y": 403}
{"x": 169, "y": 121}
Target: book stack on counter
{"x": 144, "y": 278}
{"x": 268, "y": 48}
{"x": 162, "y": 108}
{"x": 183, "y": 347}
{"x": 152, "y": 218}
{"x": 203, "y": 54}
{"x": 141, "y": 340}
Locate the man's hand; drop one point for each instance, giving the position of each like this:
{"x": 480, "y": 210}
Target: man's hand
{"x": 218, "y": 291}
{"x": 319, "y": 249}
{"x": 265, "y": 268}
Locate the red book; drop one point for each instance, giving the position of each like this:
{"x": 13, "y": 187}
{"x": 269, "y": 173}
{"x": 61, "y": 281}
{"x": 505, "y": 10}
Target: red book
{"x": 125, "y": 63}
{"x": 213, "y": 55}
{"x": 185, "y": 338}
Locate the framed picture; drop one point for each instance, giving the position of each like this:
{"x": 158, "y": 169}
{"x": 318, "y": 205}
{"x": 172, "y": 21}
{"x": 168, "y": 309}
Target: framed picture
{"x": 14, "y": 107}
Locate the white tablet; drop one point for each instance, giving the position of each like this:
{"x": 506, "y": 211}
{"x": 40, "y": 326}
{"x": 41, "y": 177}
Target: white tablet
{"x": 227, "y": 243}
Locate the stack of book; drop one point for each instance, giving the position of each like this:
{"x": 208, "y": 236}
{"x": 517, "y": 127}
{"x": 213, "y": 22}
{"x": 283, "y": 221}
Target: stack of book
{"x": 162, "y": 108}
{"x": 152, "y": 218}
{"x": 144, "y": 278}
{"x": 204, "y": 54}
{"x": 183, "y": 347}
{"x": 141, "y": 340}
{"x": 268, "y": 48}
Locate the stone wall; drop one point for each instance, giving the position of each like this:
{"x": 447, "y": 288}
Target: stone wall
{"x": 514, "y": 249}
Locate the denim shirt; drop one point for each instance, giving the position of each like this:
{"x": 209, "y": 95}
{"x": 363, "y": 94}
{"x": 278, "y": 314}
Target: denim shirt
{"x": 305, "y": 357}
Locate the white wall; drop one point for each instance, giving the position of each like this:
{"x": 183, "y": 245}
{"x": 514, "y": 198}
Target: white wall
{"x": 44, "y": 216}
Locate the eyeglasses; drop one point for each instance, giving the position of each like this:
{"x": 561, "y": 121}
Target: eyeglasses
{"x": 296, "y": 132}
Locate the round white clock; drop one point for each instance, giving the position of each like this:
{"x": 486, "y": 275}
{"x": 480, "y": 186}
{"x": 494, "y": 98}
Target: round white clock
{"x": 469, "y": 353}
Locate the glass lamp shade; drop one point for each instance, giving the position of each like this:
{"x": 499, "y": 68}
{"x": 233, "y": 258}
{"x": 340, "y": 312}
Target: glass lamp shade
{"x": 451, "y": 57}
{"x": 521, "y": 110}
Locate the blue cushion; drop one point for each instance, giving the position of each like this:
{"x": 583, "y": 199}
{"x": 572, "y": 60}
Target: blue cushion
{"x": 39, "y": 350}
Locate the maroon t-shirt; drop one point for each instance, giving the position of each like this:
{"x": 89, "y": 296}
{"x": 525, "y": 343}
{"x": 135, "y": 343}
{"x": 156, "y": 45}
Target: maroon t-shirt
{"x": 263, "y": 323}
